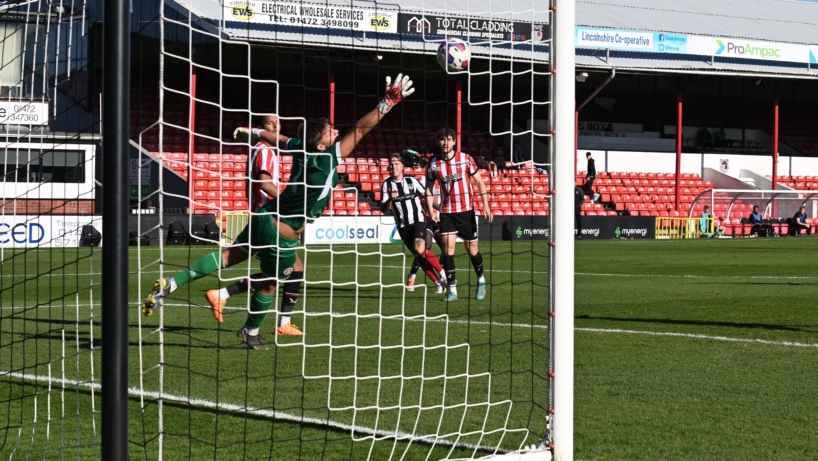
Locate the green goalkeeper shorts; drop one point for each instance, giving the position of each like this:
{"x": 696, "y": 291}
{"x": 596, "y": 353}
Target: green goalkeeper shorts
{"x": 276, "y": 253}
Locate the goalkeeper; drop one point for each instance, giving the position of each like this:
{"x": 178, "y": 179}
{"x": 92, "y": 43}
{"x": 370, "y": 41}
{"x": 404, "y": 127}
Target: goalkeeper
{"x": 265, "y": 186}
{"x": 274, "y": 230}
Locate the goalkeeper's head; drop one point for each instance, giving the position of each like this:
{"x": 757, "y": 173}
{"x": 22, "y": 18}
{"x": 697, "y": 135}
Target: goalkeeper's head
{"x": 318, "y": 134}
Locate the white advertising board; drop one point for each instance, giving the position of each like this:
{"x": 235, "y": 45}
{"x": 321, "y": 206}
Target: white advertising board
{"x": 22, "y": 231}
{"x": 23, "y": 113}
{"x": 352, "y": 229}
{"x": 311, "y": 15}
{"x": 661, "y": 42}
{"x": 746, "y": 49}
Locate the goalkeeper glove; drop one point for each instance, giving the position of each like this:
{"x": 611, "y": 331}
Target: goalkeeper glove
{"x": 246, "y": 132}
{"x": 395, "y": 92}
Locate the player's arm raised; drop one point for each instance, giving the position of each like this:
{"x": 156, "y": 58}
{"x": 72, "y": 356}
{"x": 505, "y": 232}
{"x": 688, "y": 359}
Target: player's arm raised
{"x": 274, "y": 138}
{"x": 395, "y": 92}
{"x": 484, "y": 196}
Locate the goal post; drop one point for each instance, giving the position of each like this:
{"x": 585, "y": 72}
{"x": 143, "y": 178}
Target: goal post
{"x": 562, "y": 331}
{"x": 385, "y": 369}
{"x": 115, "y": 204}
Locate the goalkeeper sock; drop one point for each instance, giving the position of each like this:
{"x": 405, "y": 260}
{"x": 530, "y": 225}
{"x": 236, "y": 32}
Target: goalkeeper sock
{"x": 204, "y": 266}
{"x": 259, "y": 302}
{"x": 291, "y": 288}
{"x": 477, "y": 262}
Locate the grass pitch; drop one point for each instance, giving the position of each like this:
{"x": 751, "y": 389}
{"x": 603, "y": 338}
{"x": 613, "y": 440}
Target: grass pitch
{"x": 700, "y": 349}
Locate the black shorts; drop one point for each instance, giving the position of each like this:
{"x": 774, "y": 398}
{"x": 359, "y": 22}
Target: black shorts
{"x": 463, "y": 224}
{"x": 411, "y": 232}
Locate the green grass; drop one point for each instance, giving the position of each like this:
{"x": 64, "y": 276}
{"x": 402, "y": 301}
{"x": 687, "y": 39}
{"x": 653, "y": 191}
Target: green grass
{"x": 701, "y": 349}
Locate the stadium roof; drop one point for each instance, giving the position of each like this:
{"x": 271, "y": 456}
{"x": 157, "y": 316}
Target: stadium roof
{"x": 770, "y": 20}
{"x": 783, "y": 26}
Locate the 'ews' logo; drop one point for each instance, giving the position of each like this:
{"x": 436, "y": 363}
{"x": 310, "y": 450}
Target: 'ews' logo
{"x": 243, "y": 13}
{"x": 380, "y": 23}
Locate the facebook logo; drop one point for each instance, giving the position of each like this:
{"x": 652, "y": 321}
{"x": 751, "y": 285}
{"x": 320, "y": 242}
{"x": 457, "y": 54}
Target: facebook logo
{"x": 661, "y": 37}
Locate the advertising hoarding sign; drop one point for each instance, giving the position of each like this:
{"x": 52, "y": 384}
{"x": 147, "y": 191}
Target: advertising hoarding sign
{"x": 60, "y": 231}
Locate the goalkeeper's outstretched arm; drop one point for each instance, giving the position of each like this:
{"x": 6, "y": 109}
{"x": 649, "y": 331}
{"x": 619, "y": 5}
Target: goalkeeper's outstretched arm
{"x": 395, "y": 92}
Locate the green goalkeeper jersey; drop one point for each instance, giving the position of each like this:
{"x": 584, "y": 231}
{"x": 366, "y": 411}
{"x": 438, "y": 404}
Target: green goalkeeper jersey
{"x": 309, "y": 190}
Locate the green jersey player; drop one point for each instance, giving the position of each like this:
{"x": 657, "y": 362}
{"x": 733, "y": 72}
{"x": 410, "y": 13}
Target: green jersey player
{"x": 274, "y": 229}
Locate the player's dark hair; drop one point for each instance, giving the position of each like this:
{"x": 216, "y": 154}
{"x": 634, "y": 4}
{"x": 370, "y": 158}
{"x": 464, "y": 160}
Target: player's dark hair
{"x": 313, "y": 132}
{"x": 444, "y": 133}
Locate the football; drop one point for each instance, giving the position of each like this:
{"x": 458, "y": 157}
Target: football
{"x": 454, "y": 55}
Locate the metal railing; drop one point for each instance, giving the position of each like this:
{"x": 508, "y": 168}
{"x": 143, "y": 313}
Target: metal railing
{"x": 681, "y": 228}
{"x": 234, "y": 224}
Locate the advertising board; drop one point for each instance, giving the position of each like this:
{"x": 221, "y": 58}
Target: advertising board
{"x": 319, "y": 15}
{"x": 23, "y": 113}
{"x": 593, "y": 227}
{"x": 352, "y": 229}
{"x": 661, "y": 42}
{"x": 465, "y": 28}
{"x": 62, "y": 231}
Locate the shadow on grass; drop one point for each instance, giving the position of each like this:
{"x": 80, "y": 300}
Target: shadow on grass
{"x": 762, "y": 326}
{"x": 316, "y": 423}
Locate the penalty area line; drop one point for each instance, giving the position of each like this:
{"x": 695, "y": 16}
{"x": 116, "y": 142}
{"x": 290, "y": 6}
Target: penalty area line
{"x": 519, "y": 325}
{"x": 698, "y": 336}
{"x": 399, "y": 436}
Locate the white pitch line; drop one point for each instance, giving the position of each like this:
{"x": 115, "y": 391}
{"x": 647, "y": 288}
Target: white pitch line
{"x": 545, "y": 327}
{"x": 235, "y": 273}
{"x": 714, "y": 276}
{"x": 271, "y": 414}
{"x": 698, "y": 336}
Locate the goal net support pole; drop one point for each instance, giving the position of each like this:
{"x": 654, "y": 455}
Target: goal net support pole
{"x": 115, "y": 131}
{"x": 562, "y": 64}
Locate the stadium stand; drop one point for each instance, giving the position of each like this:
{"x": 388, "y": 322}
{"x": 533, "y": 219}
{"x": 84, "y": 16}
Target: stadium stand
{"x": 219, "y": 171}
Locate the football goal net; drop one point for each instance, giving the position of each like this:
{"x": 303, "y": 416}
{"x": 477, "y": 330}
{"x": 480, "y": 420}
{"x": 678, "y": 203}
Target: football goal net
{"x": 341, "y": 223}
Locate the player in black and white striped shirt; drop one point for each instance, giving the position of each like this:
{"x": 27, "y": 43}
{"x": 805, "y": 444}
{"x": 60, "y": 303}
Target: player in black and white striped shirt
{"x": 403, "y": 194}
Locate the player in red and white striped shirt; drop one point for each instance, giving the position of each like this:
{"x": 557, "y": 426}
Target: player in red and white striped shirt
{"x": 264, "y": 173}
{"x": 453, "y": 170}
